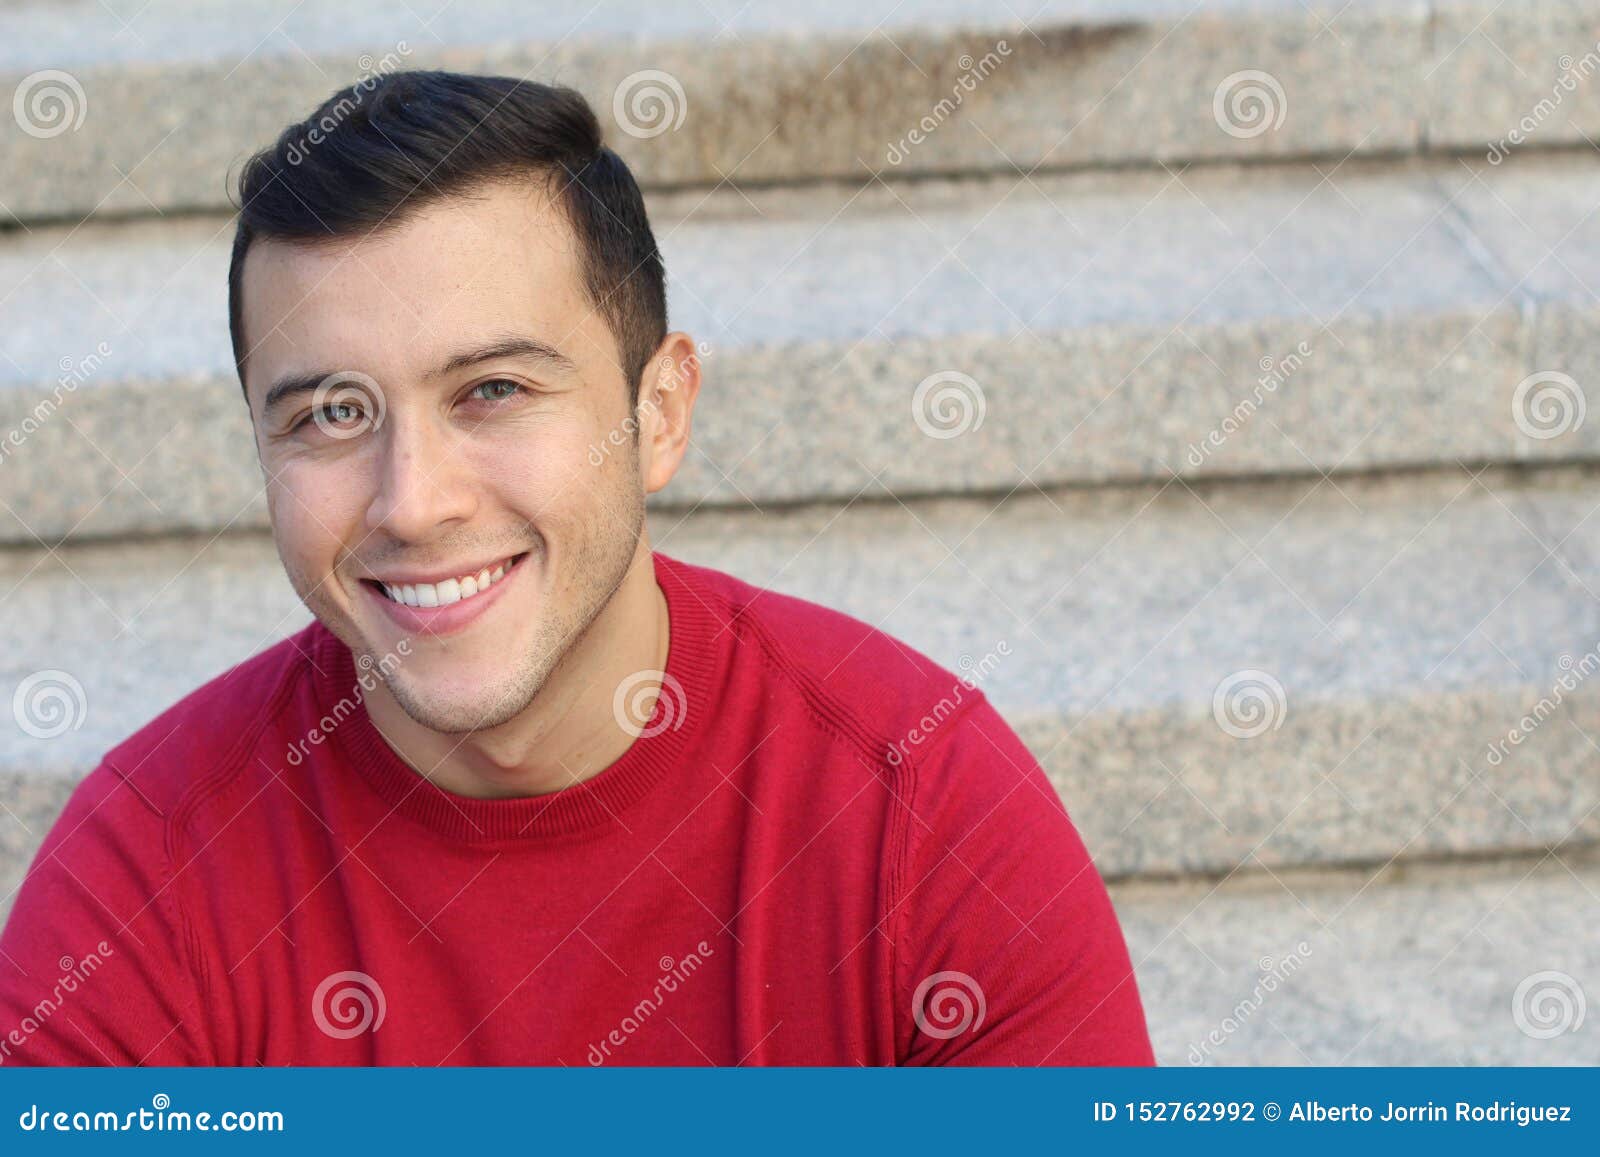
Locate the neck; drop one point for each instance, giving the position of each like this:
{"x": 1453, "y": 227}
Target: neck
{"x": 569, "y": 732}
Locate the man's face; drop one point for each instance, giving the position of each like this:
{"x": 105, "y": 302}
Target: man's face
{"x": 414, "y": 467}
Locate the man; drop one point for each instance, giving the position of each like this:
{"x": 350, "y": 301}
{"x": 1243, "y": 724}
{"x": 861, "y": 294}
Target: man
{"x": 525, "y": 791}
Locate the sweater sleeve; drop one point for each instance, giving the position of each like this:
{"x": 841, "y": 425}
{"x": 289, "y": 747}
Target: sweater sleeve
{"x": 93, "y": 958}
{"x": 1008, "y": 951}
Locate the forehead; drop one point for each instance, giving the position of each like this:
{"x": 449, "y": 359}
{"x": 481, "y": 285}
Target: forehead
{"x": 397, "y": 302}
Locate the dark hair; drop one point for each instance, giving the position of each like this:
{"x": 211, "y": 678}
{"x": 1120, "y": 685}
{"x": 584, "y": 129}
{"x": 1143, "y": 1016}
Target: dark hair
{"x": 389, "y": 145}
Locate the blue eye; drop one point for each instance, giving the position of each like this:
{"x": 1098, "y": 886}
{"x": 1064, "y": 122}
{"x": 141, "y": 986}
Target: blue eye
{"x": 334, "y": 417}
{"x": 498, "y": 390}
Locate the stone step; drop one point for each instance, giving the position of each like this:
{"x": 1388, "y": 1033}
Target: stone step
{"x": 1287, "y": 673}
{"x": 142, "y": 108}
{"x": 930, "y": 337}
{"x": 1410, "y": 964}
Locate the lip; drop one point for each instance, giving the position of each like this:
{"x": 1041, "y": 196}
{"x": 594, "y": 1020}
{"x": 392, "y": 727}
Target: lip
{"x": 442, "y": 575}
{"x": 454, "y": 618}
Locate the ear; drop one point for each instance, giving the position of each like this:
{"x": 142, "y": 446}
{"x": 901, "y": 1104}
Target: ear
{"x": 667, "y": 392}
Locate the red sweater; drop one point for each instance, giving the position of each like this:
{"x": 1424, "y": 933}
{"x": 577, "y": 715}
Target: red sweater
{"x": 835, "y": 853}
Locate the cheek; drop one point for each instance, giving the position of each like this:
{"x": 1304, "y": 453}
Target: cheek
{"x": 542, "y": 470}
{"x": 315, "y": 507}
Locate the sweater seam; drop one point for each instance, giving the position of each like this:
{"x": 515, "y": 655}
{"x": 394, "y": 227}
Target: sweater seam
{"x": 195, "y": 959}
{"x": 910, "y": 844}
{"x": 902, "y": 836}
{"x": 844, "y": 723}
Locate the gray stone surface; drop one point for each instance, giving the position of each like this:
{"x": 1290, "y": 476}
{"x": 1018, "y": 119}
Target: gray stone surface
{"x": 1536, "y": 217}
{"x": 1410, "y": 965}
{"x": 1112, "y": 323}
{"x": 1410, "y": 623}
{"x": 176, "y": 93}
{"x": 1544, "y": 234}
{"x": 87, "y": 31}
{"x": 1529, "y": 67}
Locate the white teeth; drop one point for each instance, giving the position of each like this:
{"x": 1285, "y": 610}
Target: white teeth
{"x": 444, "y": 593}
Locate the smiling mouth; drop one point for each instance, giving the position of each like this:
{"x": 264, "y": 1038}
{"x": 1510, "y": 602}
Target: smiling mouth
{"x": 448, "y": 591}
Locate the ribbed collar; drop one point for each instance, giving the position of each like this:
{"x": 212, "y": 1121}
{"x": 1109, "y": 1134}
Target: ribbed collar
{"x": 693, "y": 659}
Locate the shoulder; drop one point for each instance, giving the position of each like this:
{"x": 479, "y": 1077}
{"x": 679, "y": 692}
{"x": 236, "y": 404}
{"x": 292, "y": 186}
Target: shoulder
{"x": 899, "y": 704}
{"x": 210, "y": 731}
{"x": 880, "y": 678}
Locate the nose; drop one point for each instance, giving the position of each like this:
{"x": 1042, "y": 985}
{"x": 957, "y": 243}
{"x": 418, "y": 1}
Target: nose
{"x": 425, "y": 482}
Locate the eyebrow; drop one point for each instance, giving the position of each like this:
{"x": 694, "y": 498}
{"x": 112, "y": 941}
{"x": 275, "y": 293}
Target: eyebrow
{"x": 505, "y": 348}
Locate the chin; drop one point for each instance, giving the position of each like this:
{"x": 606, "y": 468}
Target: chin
{"x": 456, "y": 709}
